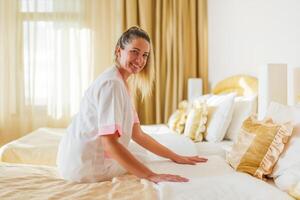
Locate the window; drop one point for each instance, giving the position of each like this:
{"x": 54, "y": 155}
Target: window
{"x": 56, "y": 54}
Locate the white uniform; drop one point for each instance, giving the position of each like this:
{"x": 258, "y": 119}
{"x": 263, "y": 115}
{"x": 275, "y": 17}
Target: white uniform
{"x": 105, "y": 108}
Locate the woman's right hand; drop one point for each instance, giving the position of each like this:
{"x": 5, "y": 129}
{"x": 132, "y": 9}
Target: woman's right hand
{"x": 156, "y": 178}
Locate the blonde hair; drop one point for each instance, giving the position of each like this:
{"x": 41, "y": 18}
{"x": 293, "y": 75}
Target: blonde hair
{"x": 142, "y": 81}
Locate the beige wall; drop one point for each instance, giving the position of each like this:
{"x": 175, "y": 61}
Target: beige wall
{"x": 245, "y": 34}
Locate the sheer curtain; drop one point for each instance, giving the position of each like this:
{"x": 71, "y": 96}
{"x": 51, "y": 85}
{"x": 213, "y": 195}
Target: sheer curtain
{"x": 45, "y": 60}
{"x": 50, "y": 51}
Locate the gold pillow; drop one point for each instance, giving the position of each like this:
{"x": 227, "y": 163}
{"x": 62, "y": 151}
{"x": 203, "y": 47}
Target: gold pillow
{"x": 259, "y": 146}
{"x": 177, "y": 120}
{"x": 196, "y": 121}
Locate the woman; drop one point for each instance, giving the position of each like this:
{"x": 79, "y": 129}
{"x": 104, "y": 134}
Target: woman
{"x": 95, "y": 146}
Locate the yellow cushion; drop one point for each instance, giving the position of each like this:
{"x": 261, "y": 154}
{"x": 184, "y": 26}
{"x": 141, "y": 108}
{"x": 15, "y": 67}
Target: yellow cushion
{"x": 177, "y": 120}
{"x": 259, "y": 146}
{"x": 196, "y": 121}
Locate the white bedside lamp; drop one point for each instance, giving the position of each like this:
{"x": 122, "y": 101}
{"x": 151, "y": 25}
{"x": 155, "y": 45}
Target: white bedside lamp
{"x": 194, "y": 88}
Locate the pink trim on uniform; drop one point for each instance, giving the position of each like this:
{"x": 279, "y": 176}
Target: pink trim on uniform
{"x": 110, "y": 129}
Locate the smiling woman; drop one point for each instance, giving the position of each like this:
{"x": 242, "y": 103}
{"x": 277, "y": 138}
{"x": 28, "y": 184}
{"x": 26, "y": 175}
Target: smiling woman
{"x": 132, "y": 56}
{"x": 95, "y": 147}
{"x": 51, "y": 51}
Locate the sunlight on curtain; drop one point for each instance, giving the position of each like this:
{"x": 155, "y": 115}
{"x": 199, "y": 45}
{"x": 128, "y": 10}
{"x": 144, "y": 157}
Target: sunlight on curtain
{"x": 50, "y": 51}
{"x": 56, "y": 65}
{"x": 46, "y": 54}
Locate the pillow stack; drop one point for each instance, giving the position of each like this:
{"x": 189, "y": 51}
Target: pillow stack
{"x": 207, "y": 118}
{"x": 270, "y": 148}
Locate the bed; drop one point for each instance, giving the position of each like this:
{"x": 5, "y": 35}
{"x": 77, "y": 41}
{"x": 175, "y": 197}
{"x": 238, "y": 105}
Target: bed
{"x": 28, "y": 170}
{"x": 212, "y": 180}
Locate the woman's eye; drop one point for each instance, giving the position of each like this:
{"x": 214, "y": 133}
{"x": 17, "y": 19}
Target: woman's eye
{"x": 135, "y": 52}
{"x": 145, "y": 55}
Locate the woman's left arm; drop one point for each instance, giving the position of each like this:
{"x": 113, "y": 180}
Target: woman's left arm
{"x": 152, "y": 145}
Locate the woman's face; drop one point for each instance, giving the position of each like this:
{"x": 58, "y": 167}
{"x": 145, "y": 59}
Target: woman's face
{"x": 134, "y": 56}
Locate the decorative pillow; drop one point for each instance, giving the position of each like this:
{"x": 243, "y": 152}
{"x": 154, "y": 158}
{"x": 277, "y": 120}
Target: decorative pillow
{"x": 196, "y": 120}
{"x": 177, "y": 120}
{"x": 220, "y": 109}
{"x": 243, "y": 107}
{"x": 259, "y": 146}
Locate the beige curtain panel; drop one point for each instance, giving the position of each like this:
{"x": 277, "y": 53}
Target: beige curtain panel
{"x": 51, "y": 51}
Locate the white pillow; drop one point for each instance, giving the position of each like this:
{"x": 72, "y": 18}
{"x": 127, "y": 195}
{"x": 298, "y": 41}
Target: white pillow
{"x": 286, "y": 172}
{"x": 288, "y": 179}
{"x": 243, "y": 107}
{"x": 219, "y": 116}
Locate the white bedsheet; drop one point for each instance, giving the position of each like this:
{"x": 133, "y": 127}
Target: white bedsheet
{"x": 213, "y": 180}
{"x": 182, "y": 144}
{"x": 177, "y": 143}
{"x": 212, "y": 148}
{"x": 232, "y": 186}
{"x": 157, "y": 129}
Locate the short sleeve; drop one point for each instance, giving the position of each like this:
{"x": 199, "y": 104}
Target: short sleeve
{"x": 110, "y": 102}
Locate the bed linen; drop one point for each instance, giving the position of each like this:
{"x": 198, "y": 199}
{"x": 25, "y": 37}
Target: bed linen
{"x": 237, "y": 186}
{"x": 214, "y": 180}
{"x": 183, "y": 145}
{"x": 40, "y": 147}
{"x": 212, "y": 148}
{"x": 211, "y": 180}
{"x": 19, "y": 181}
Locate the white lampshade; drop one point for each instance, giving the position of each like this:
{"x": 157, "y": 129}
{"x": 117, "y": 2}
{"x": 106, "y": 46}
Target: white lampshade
{"x": 272, "y": 86}
{"x": 293, "y": 87}
{"x": 194, "y": 88}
